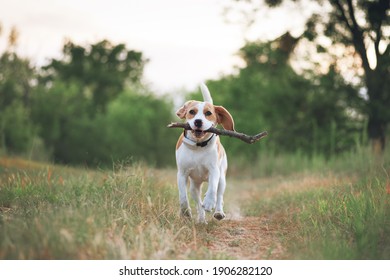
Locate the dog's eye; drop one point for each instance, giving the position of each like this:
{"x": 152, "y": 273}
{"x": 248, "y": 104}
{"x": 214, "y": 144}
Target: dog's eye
{"x": 192, "y": 112}
{"x": 208, "y": 113}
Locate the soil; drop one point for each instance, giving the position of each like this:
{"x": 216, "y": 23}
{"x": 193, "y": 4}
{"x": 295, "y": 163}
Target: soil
{"x": 247, "y": 238}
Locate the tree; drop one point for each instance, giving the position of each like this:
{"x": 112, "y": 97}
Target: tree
{"x": 103, "y": 69}
{"x": 91, "y": 108}
{"x": 17, "y": 78}
{"x": 133, "y": 126}
{"x": 136, "y": 127}
{"x": 59, "y": 113}
{"x": 360, "y": 25}
{"x": 300, "y": 113}
{"x": 16, "y": 74}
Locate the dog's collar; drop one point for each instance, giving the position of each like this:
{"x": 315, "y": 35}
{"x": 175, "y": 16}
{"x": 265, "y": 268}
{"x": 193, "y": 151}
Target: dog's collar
{"x": 193, "y": 143}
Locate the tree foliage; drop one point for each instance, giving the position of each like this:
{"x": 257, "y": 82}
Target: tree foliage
{"x": 360, "y": 25}
{"x": 88, "y": 107}
{"x": 16, "y": 81}
{"x": 133, "y": 127}
{"x": 103, "y": 69}
{"x": 309, "y": 115}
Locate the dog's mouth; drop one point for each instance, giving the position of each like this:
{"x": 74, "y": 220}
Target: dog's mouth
{"x": 198, "y": 133}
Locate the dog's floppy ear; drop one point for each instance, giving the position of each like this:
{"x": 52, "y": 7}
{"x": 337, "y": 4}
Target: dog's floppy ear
{"x": 181, "y": 113}
{"x": 224, "y": 118}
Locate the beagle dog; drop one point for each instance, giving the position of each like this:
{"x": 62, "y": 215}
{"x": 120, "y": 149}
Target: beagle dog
{"x": 200, "y": 156}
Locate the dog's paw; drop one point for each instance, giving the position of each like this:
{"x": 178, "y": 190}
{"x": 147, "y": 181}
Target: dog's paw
{"x": 186, "y": 213}
{"x": 202, "y": 221}
{"x": 208, "y": 204}
{"x": 219, "y": 215}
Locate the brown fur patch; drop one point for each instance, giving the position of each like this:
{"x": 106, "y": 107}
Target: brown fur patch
{"x": 182, "y": 112}
{"x": 221, "y": 150}
{"x": 210, "y": 108}
{"x": 179, "y": 141}
{"x": 224, "y": 118}
{"x": 192, "y": 106}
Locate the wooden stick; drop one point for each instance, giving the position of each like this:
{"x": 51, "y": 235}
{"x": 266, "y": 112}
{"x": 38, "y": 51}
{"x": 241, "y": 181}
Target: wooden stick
{"x": 250, "y": 139}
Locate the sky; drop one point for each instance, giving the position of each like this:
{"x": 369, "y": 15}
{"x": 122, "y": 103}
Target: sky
{"x": 186, "y": 41}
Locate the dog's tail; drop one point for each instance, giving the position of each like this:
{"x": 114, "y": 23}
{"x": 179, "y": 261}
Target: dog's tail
{"x": 206, "y": 93}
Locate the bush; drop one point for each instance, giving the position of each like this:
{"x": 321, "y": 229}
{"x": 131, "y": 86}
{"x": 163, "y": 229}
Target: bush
{"x": 136, "y": 127}
{"x": 133, "y": 127}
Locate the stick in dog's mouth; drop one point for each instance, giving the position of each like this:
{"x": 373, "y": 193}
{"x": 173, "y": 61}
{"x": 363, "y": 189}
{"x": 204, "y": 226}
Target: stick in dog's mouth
{"x": 250, "y": 139}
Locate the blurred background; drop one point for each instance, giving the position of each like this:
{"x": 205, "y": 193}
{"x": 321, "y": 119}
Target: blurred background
{"x": 96, "y": 82}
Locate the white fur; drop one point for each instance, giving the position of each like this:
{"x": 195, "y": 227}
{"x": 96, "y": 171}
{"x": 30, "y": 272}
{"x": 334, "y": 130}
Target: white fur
{"x": 201, "y": 164}
{"x": 206, "y": 93}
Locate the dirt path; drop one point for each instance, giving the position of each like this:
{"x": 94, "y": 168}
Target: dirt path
{"x": 247, "y": 238}
{"x": 256, "y": 237}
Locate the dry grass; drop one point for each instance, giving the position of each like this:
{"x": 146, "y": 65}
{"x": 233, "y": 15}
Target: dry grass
{"x": 131, "y": 212}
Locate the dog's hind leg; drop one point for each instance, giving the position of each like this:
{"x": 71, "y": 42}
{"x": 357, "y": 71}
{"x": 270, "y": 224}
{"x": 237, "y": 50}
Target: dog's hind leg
{"x": 219, "y": 214}
{"x": 195, "y": 189}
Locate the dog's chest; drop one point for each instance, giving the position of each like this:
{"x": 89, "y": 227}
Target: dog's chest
{"x": 199, "y": 173}
{"x": 197, "y": 163}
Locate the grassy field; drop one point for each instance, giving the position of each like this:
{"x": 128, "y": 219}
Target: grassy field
{"x": 284, "y": 208}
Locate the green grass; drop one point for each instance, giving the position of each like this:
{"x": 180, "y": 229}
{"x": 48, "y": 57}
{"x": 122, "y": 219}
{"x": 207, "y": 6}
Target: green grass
{"x": 121, "y": 214}
{"x": 332, "y": 222}
{"x": 335, "y": 209}
{"x": 357, "y": 161}
{"x": 350, "y": 222}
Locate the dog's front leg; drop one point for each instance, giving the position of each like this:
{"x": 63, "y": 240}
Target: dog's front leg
{"x": 211, "y": 194}
{"x": 182, "y": 180}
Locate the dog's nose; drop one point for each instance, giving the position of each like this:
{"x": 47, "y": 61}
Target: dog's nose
{"x": 198, "y": 123}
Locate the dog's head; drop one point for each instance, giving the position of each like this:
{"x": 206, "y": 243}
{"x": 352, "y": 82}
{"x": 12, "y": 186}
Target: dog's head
{"x": 203, "y": 115}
